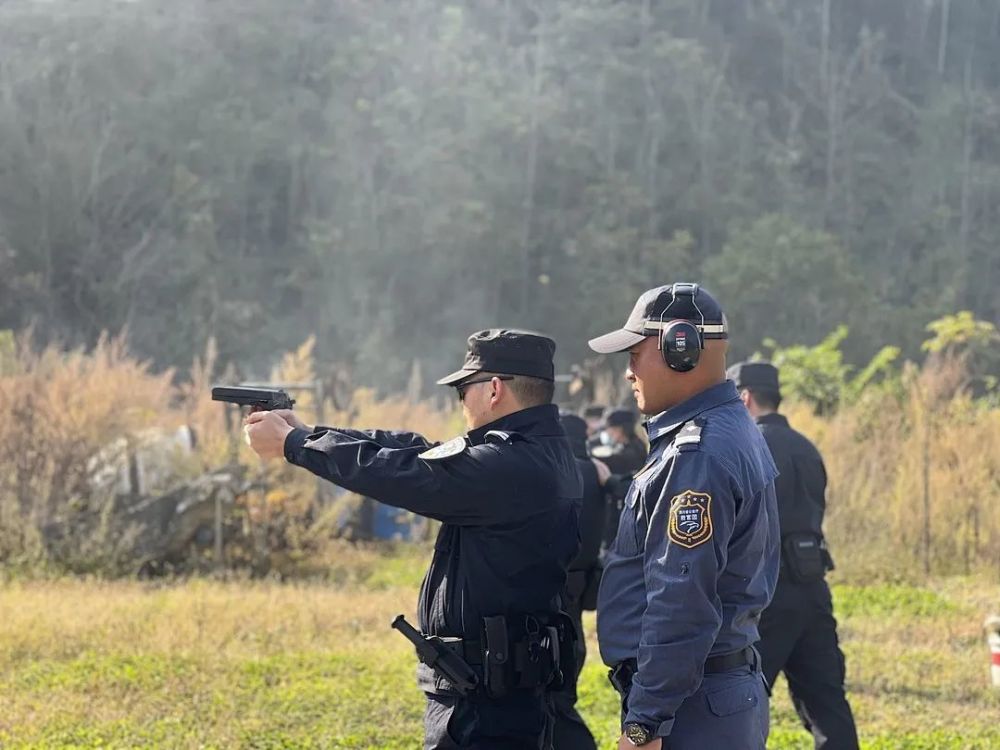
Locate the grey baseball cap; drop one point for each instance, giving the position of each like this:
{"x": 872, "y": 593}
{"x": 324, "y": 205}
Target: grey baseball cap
{"x": 661, "y": 305}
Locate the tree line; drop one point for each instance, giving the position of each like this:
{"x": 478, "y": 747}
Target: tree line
{"x": 390, "y": 176}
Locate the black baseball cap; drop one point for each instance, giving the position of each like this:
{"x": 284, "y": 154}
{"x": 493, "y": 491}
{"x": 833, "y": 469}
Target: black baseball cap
{"x": 506, "y": 352}
{"x": 760, "y": 375}
{"x": 657, "y": 307}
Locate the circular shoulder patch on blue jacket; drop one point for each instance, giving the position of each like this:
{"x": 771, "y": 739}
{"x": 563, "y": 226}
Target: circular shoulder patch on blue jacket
{"x": 446, "y": 450}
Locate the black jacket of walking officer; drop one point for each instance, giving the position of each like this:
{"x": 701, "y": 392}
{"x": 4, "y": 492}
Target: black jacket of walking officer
{"x": 695, "y": 560}
{"x": 507, "y": 494}
{"x": 798, "y": 634}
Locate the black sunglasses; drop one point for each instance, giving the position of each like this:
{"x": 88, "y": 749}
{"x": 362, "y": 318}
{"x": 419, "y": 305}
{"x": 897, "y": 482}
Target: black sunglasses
{"x": 460, "y": 389}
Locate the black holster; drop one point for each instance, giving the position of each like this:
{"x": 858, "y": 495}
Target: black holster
{"x": 525, "y": 653}
{"x": 621, "y": 674}
{"x": 805, "y": 557}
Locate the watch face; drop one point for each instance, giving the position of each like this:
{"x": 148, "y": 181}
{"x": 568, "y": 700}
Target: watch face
{"x": 637, "y": 734}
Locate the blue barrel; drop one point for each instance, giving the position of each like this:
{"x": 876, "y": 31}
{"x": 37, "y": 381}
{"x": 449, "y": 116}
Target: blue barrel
{"x": 392, "y": 523}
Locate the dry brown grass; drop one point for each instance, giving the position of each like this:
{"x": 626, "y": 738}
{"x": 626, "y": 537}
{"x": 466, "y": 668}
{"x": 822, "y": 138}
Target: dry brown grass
{"x": 57, "y": 410}
{"x": 881, "y": 455}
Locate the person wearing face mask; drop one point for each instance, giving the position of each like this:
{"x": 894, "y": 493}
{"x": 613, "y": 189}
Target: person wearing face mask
{"x": 593, "y": 415}
{"x": 507, "y": 494}
{"x": 620, "y": 447}
{"x": 695, "y": 559}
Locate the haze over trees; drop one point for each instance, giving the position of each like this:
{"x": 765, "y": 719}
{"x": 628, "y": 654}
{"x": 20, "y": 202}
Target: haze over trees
{"x": 390, "y": 176}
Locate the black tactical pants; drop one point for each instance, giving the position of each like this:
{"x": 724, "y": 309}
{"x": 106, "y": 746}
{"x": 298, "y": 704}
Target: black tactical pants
{"x": 520, "y": 721}
{"x": 798, "y": 635}
{"x": 570, "y": 731}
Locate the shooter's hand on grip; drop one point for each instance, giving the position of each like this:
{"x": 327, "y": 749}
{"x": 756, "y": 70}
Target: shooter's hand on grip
{"x": 265, "y": 432}
{"x": 293, "y": 420}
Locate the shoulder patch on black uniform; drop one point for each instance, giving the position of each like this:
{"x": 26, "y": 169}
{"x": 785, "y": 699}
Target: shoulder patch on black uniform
{"x": 446, "y": 450}
{"x": 501, "y": 436}
{"x": 690, "y": 434}
{"x": 690, "y": 521}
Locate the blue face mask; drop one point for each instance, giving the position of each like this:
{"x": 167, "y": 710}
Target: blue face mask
{"x": 606, "y": 438}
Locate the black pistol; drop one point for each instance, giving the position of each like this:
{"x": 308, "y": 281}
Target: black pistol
{"x": 262, "y": 399}
{"x": 433, "y": 652}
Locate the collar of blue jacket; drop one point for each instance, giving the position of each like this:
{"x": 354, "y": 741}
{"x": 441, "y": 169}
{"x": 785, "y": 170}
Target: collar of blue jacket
{"x": 669, "y": 420}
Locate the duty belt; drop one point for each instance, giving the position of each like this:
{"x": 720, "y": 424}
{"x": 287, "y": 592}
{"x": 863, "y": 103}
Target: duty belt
{"x": 622, "y": 674}
{"x": 524, "y": 667}
{"x": 520, "y": 652}
{"x": 471, "y": 651}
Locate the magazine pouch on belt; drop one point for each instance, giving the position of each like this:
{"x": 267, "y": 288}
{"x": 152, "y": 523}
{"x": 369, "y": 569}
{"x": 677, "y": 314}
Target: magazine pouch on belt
{"x": 804, "y": 556}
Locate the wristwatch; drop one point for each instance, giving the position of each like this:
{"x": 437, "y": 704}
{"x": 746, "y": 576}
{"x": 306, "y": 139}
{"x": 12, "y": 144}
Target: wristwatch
{"x": 637, "y": 734}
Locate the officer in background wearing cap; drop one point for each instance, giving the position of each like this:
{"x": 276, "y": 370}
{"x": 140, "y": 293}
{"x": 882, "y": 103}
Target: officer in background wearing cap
{"x": 798, "y": 634}
{"x": 593, "y": 415}
{"x": 571, "y": 732}
{"x": 695, "y": 560}
{"x": 507, "y": 494}
{"x": 618, "y": 445}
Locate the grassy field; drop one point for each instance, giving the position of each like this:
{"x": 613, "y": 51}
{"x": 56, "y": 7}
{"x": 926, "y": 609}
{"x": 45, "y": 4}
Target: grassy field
{"x": 205, "y": 664}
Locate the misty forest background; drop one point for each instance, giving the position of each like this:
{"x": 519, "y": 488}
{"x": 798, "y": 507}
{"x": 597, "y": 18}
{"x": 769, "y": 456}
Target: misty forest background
{"x": 339, "y": 192}
{"x": 343, "y": 190}
{"x": 390, "y": 176}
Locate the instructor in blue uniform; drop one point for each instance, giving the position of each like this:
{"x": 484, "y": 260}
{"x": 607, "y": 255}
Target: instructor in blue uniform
{"x": 695, "y": 559}
{"x": 507, "y": 494}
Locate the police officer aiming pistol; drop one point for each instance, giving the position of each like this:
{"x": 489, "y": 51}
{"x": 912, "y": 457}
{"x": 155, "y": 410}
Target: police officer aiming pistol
{"x": 695, "y": 559}
{"x": 493, "y": 644}
{"x": 798, "y": 634}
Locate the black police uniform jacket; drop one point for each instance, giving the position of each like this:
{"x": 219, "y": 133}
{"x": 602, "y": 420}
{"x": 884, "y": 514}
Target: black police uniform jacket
{"x": 801, "y": 482}
{"x": 593, "y": 511}
{"x": 508, "y": 497}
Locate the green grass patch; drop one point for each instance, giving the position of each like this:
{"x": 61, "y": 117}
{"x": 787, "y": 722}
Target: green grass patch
{"x": 402, "y": 571}
{"x": 935, "y": 740}
{"x": 109, "y": 734}
{"x": 889, "y": 600}
{"x": 211, "y": 665}
{"x": 105, "y": 671}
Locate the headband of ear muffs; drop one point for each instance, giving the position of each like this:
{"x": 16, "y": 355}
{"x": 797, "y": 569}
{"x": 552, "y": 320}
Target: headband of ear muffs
{"x": 681, "y": 341}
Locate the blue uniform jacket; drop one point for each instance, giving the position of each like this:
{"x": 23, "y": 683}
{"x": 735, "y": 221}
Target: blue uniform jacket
{"x": 695, "y": 560}
{"x": 508, "y": 498}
